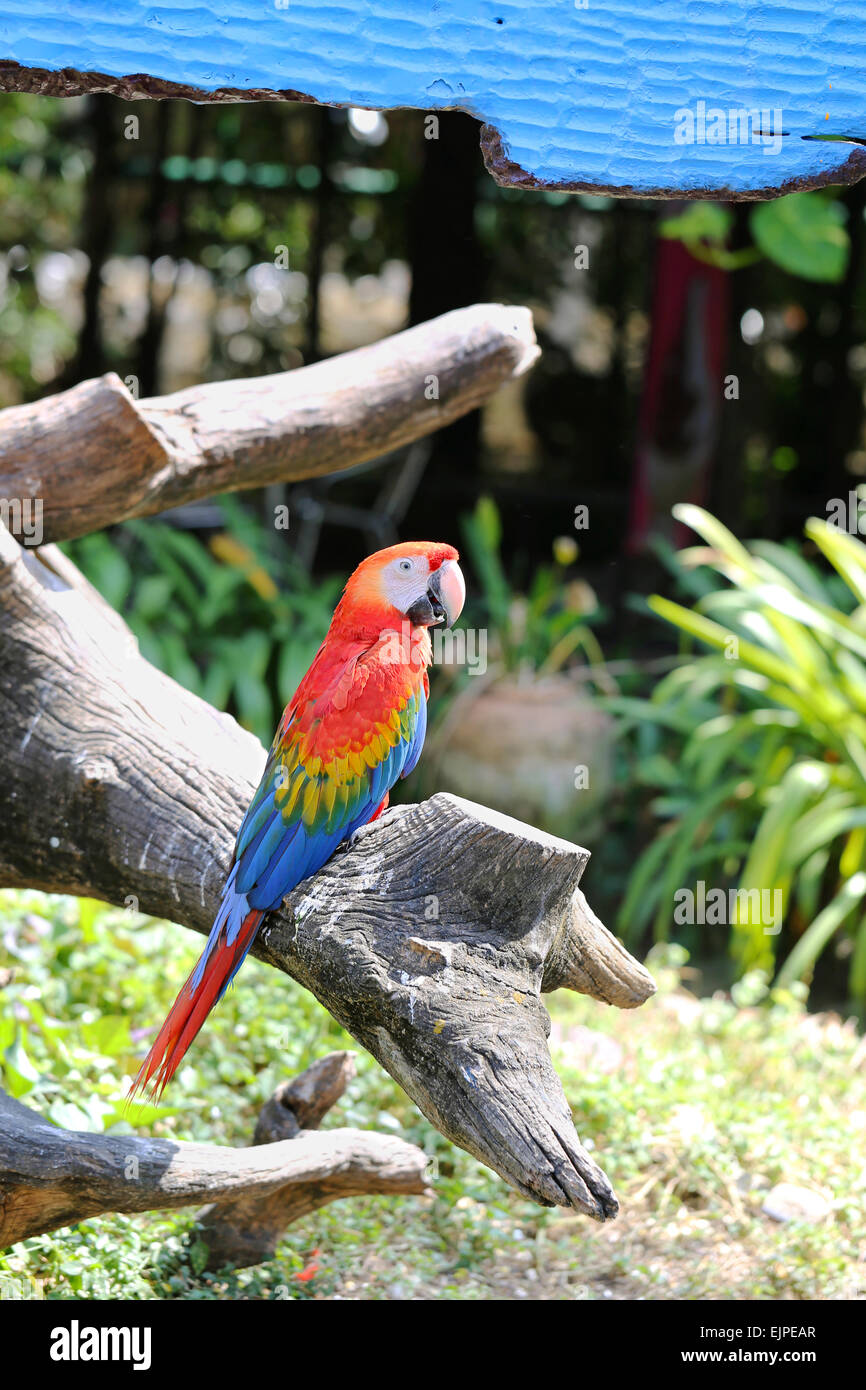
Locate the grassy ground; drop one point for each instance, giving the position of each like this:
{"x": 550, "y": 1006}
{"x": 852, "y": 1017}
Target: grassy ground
{"x": 693, "y": 1107}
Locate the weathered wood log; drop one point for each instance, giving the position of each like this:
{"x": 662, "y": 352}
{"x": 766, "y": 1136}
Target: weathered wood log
{"x": 246, "y": 1229}
{"x": 51, "y": 1177}
{"x": 430, "y": 938}
{"x": 94, "y": 455}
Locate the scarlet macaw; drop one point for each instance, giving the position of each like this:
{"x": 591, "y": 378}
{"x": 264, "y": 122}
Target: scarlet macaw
{"x": 356, "y": 723}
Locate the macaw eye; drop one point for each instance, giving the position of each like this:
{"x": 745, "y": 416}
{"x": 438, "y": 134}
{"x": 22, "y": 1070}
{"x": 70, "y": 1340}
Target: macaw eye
{"x": 405, "y": 566}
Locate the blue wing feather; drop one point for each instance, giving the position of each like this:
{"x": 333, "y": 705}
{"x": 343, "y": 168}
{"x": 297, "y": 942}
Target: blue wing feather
{"x": 418, "y": 737}
{"x": 274, "y": 854}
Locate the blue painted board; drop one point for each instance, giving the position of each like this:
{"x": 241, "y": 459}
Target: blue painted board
{"x": 589, "y": 94}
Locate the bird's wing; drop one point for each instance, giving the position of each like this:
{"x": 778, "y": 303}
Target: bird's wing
{"x": 332, "y": 762}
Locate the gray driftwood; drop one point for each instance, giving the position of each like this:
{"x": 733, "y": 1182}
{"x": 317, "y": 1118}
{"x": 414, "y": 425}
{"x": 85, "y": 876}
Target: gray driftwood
{"x": 430, "y": 939}
{"x": 246, "y": 1229}
{"x": 51, "y": 1177}
{"x": 93, "y": 455}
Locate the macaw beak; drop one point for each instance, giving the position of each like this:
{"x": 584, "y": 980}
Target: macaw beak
{"x": 447, "y": 592}
{"x": 444, "y": 599}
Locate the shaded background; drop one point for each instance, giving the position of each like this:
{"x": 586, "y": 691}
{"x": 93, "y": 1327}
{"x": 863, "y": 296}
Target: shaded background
{"x": 153, "y": 256}
{"x": 173, "y": 244}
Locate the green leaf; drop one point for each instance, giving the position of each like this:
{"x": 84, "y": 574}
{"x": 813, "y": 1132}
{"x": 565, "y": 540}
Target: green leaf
{"x": 20, "y": 1073}
{"x": 105, "y": 567}
{"x": 108, "y": 1035}
{"x": 724, "y": 739}
{"x": 766, "y": 868}
{"x": 138, "y": 1113}
{"x": 177, "y": 662}
{"x": 786, "y": 565}
{"x": 857, "y": 973}
{"x": 255, "y": 710}
{"x": 489, "y": 524}
{"x": 700, "y": 820}
{"x": 483, "y": 532}
{"x": 696, "y": 625}
{"x": 846, "y": 554}
{"x": 152, "y": 596}
{"x": 646, "y": 712}
{"x": 812, "y": 701}
{"x": 714, "y": 533}
{"x": 701, "y": 221}
{"x": 643, "y": 888}
{"x": 221, "y": 602}
{"x": 158, "y": 540}
{"x": 809, "y": 883}
{"x": 802, "y": 959}
{"x": 291, "y": 667}
{"x": 218, "y": 682}
{"x": 89, "y": 912}
{"x": 253, "y": 653}
{"x": 832, "y": 818}
{"x": 67, "y": 1115}
{"x": 198, "y": 1256}
{"x": 803, "y": 233}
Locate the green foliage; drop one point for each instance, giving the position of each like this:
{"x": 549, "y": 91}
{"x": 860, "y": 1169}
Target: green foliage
{"x": 41, "y": 182}
{"x": 700, "y": 221}
{"x": 236, "y": 621}
{"x": 88, "y": 982}
{"x": 704, "y": 228}
{"x": 803, "y": 233}
{"x": 669, "y": 1124}
{"x": 543, "y": 629}
{"x": 758, "y": 752}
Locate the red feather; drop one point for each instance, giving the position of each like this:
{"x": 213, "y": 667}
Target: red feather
{"x": 191, "y": 1008}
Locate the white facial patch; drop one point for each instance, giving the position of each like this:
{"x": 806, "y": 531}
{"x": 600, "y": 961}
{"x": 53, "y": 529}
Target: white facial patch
{"x": 405, "y": 581}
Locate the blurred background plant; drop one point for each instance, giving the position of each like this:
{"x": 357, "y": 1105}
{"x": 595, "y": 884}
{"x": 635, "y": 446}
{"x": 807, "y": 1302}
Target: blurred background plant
{"x": 803, "y": 233}
{"x": 542, "y": 630}
{"x": 519, "y": 728}
{"x": 235, "y": 618}
{"x": 756, "y": 754}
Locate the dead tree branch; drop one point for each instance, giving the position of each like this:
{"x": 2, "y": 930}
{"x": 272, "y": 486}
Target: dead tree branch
{"x": 247, "y": 1229}
{"x": 51, "y": 1177}
{"x": 93, "y": 455}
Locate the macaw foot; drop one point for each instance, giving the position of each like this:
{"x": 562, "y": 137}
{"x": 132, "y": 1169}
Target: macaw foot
{"x": 362, "y": 829}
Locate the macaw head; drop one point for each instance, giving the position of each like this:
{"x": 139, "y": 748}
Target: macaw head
{"x": 419, "y": 582}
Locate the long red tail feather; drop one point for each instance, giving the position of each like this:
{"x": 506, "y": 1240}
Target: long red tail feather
{"x": 191, "y": 1008}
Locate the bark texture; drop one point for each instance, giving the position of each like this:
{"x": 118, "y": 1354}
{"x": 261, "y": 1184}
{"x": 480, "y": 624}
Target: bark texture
{"x": 94, "y": 455}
